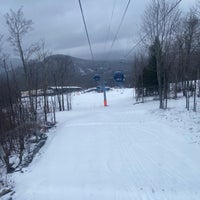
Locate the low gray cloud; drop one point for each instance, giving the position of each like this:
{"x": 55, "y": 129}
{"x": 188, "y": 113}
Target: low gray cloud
{"x": 60, "y": 24}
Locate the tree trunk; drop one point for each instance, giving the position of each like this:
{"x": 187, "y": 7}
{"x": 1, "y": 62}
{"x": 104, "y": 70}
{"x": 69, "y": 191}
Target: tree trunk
{"x": 195, "y": 93}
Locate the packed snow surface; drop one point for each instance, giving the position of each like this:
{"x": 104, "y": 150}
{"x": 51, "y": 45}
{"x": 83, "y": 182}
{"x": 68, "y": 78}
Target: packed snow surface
{"x": 123, "y": 151}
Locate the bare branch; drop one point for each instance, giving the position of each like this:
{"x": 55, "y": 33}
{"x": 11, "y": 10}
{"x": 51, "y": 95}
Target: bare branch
{"x": 18, "y": 26}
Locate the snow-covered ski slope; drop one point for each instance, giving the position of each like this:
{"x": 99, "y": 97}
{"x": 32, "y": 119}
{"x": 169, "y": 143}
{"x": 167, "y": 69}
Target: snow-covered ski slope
{"x": 119, "y": 152}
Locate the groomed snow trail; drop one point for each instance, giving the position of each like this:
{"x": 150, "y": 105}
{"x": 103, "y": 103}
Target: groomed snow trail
{"x": 118, "y": 152}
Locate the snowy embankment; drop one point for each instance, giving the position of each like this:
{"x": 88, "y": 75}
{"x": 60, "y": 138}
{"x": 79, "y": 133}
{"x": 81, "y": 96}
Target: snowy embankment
{"x": 122, "y": 151}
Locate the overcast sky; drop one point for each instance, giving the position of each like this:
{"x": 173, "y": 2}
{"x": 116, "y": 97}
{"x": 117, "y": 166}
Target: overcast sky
{"x": 60, "y": 24}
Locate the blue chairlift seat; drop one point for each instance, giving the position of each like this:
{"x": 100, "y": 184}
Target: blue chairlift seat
{"x": 97, "y": 77}
{"x": 119, "y": 76}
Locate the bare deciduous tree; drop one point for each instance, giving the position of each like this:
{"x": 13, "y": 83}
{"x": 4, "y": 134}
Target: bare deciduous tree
{"x": 42, "y": 54}
{"x": 18, "y": 27}
{"x": 159, "y": 25}
{"x": 191, "y": 35}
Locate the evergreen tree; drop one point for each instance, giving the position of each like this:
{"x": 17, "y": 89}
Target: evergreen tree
{"x": 150, "y": 81}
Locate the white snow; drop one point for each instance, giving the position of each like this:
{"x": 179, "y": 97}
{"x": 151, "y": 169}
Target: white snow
{"x": 122, "y": 151}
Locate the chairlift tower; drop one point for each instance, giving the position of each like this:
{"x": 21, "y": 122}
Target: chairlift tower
{"x": 101, "y": 82}
{"x": 118, "y": 77}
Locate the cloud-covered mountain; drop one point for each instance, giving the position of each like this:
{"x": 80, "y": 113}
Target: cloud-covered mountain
{"x": 76, "y": 71}
{"x": 84, "y": 70}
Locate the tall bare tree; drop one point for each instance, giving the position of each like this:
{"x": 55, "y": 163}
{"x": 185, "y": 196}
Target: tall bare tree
{"x": 18, "y": 27}
{"x": 191, "y": 37}
{"x": 42, "y": 54}
{"x": 159, "y": 25}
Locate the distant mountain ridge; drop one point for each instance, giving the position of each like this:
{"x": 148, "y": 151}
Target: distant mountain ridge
{"x": 86, "y": 69}
{"x": 88, "y": 66}
{"x": 81, "y": 70}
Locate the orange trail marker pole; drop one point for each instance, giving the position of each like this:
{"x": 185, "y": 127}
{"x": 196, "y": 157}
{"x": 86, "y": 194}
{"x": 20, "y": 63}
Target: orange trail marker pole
{"x": 104, "y": 94}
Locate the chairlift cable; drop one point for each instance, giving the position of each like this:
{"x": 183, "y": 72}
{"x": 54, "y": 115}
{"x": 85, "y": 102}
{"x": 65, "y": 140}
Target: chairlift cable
{"x": 86, "y": 30}
{"x": 109, "y": 27}
{"x": 119, "y": 27}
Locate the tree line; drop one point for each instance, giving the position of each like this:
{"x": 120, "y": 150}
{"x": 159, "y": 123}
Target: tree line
{"x": 171, "y": 43}
{"x": 25, "y": 119}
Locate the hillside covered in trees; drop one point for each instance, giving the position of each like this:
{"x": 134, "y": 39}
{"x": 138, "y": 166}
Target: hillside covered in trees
{"x": 171, "y": 61}
{"x": 75, "y": 71}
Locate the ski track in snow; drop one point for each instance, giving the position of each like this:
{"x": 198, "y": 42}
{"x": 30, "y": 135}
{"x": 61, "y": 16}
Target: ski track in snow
{"x": 122, "y": 152}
